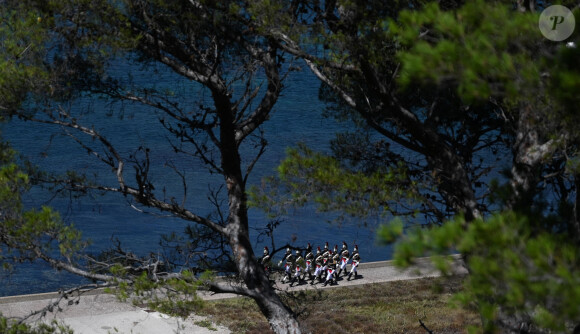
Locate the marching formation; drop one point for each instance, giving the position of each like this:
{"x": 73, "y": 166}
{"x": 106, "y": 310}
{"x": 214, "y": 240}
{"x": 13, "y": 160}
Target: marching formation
{"x": 325, "y": 266}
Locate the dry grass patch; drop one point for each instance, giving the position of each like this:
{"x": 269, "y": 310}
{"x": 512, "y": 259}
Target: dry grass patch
{"x": 393, "y": 307}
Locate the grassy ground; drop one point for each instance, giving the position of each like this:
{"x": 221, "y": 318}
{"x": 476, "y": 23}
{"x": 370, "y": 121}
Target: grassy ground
{"x": 394, "y": 307}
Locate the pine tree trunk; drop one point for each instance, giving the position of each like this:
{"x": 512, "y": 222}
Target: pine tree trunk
{"x": 529, "y": 151}
{"x": 281, "y": 319}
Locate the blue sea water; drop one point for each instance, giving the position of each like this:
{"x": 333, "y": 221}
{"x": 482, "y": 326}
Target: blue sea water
{"x": 297, "y": 119}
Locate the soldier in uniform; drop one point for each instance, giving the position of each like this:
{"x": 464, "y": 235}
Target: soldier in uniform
{"x": 309, "y": 261}
{"x": 335, "y": 258}
{"x": 318, "y": 261}
{"x": 265, "y": 261}
{"x": 326, "y": 250}
{"x": 326, "y": 259}
{"x": 344, "y": 257}
{"x": 330, "y": 269}
{"x": 290, "y": 260}
{"x": 355, "y": 261}
{"x": 298, "y": 264}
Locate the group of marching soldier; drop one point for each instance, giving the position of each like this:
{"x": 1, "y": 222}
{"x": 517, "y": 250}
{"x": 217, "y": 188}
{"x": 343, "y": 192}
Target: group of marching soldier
{"x": 324, "y": 266}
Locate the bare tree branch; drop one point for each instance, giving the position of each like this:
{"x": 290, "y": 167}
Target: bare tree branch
{"x": 261, "y": 113}
{"x": 230, "y": 288}
{"x": 425, "y": 327}
{"x": 150, "y": 200}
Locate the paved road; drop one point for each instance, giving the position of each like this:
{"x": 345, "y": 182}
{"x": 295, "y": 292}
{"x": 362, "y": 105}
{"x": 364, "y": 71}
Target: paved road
{"x": 103, "y": 313}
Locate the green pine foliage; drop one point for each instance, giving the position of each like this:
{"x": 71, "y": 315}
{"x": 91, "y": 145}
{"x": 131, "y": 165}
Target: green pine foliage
{"x": 31, "y": 234}
{"x": 487, "y": 50}
{"x": 332, "y": 187}
{"x": 54, "y": 327}
{"x": 525, "y": 271}
{"x": 484, "y": 48}
{"x": 23, "y": 40}
{"x": 175, "y": 296}
{"x": 28, "y": 234}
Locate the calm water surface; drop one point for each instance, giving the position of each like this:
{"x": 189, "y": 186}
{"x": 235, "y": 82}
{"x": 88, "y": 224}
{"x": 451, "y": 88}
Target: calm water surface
{"x": 297, "y": 118}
